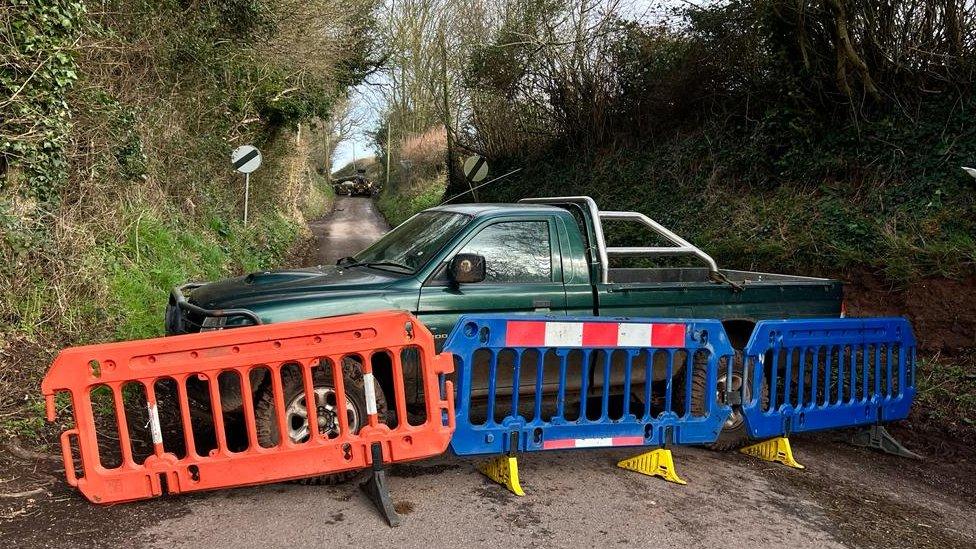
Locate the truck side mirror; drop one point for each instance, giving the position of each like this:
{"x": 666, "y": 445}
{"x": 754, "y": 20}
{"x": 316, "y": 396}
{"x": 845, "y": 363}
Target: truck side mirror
{"x": 467, "y": 268}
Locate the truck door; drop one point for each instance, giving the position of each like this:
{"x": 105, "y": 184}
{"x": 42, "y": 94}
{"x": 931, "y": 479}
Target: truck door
{"x": 523, "y": 275}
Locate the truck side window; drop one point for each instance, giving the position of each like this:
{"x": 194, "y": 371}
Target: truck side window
{"x": 515, "y": 251}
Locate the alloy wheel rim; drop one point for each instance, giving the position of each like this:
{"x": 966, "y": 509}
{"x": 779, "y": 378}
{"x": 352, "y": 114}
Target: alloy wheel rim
{"x": 326, "y": 411}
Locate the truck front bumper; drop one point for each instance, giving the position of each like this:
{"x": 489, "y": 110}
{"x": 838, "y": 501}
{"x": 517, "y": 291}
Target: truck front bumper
{"x": 183, "y": 317}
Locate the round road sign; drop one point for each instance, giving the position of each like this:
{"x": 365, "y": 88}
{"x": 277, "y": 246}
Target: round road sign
{"x": 246, "y": 158}
{"x": 475, "y": 168}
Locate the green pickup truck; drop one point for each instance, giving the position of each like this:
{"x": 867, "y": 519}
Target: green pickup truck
{"x": 539, "y": 256}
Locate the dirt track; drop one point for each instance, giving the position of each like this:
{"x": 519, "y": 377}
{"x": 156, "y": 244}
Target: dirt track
{"x": 846, "y": 497}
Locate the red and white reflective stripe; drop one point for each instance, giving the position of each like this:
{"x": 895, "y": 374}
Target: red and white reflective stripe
{"x": 591, "y": 442}
{"x": 539, "y": 333}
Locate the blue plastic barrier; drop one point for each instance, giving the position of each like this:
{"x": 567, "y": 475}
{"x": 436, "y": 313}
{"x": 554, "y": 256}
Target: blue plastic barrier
{"x": 539, "y": 383}
{"x": 826, "y": 374}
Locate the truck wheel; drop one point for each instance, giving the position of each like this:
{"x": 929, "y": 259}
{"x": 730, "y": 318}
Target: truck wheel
{"x": 296, "y": 411}
{"x": 734, "y": 433}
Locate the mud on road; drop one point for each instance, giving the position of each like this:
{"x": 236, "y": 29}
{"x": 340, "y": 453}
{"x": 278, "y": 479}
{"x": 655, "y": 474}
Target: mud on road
{"x": 846, "y": 497}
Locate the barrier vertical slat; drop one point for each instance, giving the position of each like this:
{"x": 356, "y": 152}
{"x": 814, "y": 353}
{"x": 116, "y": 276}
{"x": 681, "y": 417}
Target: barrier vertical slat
{"x": 85, "y": 426}
{"x": 877, "y": 369}
{"x": 888, "y": 362}
{"x": 123, "y": 425}
{"x": 852, "y": 365}
{"x": 516, "y": 380}
{"x": 832, "y": 376}
{"x": 631, "y": 355}
{"x": 841, "y": 373}
{"x": 561, "y": 390}
{"x": 338, "y": 380}
{"x": 247, "y": 404}
{"x": 367, "y": 367}
{"x": 217, "y": 411}
{"x": 492, "y": 379}
{"x": 689, "y": 379}
{"x": 814, "y": 384}
{"x": 648, "y": 383}
{"x": 311, "y": 399}
{"x": 584, "y": 383}
{"x": 866, "y": 372}
{"x": 605, "y": 398}
{"x": 801, "y": 385}
{"x": 399, "y": 392}
{"x": 788, "y": 376}
{"x": 278, "y": 394}
{"x": 669, "y": 384}
{"x": 187, "y": 421}
{"x": 773, "y": 379}
{"x": 151, "y": 404}
{"x": 539, "y": 371}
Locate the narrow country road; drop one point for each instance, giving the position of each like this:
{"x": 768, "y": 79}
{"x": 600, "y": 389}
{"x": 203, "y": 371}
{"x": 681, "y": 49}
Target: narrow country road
{"x": 846, "y": 497}
{"x": 354, "y": 225}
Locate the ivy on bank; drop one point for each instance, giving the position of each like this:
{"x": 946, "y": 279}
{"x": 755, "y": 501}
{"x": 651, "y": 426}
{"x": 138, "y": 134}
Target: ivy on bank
{"x": 39, "y": 38}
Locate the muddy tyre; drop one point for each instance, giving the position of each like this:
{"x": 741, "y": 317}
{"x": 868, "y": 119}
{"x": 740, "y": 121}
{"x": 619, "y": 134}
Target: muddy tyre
{"x": 734, "y": 433}
{"x": 296, "y": 414}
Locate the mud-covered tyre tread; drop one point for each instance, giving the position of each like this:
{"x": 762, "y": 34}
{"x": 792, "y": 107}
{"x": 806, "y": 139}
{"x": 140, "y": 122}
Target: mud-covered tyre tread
{"x": 291, "y": 384}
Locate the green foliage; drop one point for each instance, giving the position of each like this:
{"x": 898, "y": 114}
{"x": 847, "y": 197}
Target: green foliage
{"x": 398, "y": 205}
{"x": 38, "y": 38}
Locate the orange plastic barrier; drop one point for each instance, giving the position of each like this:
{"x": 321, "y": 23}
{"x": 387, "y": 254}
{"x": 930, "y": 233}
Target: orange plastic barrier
{"x": 322, "y": 343}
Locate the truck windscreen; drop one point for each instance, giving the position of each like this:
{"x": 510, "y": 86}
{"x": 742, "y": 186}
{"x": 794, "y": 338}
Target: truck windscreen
{"x": 415, "y": 242}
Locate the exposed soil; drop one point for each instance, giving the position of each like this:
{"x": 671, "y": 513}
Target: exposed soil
{"x": 942, "y": 311}
{"x": 38, "y": 509}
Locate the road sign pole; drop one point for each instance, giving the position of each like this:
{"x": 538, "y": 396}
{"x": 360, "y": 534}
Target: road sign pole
{"x": 245, "y": 160}
{"x": 247, "y": 190}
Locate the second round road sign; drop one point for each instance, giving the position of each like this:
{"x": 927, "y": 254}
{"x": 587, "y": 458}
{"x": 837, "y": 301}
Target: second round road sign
{"x": 246, "y": 158}
{"x": 475, "y": 168}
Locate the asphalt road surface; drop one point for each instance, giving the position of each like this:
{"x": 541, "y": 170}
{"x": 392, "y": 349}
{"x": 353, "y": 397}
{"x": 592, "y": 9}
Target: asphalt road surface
{"x": 350, "y": 228}
{"x": 846, "y": 496}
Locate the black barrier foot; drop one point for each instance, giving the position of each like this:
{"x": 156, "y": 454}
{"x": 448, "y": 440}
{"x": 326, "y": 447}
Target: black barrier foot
{"x": 377, "y": 490}
{"x": 876, "y": 437}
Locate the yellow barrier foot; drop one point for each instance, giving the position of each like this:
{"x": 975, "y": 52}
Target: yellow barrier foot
{"x": 775, "y": 449}
{"x": 656, "y": 463}
{"x": 504, "y": 471}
